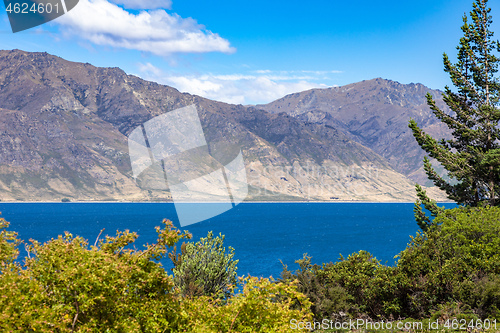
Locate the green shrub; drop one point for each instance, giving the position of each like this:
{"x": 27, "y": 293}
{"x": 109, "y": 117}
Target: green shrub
{"x": 453, "y": 310}
{"x": 204, "y": 268}
{"x": 69, "y": 286}
{"x": 372, "y": 286}
{"x": 358, "y": 286}
{"x": 22, "y": 306}
{"x": 456, "y": 260}
{"x": 329, "y": 300}
{"x": 482, "y": 295}
{"x": 8, "y": 244}
{"x": 263, "y": 306}
{"x": 451, "y": 270}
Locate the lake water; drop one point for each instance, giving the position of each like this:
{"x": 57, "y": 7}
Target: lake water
{"x": 262, "y": 234}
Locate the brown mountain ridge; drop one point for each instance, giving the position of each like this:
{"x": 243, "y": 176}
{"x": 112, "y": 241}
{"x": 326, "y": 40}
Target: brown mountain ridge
{"x": 374, "y": 113}
{"x": 64, "y": 128}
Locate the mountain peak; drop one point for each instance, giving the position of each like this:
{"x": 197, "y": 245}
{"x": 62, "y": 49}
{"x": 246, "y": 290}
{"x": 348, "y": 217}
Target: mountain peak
{"x": 374, "y": 113}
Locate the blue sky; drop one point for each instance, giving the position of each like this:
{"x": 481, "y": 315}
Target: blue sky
{"x": 253, "y": 52}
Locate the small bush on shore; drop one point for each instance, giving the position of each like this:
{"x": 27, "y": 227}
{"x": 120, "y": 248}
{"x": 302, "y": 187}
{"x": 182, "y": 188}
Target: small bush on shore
{"x": 204, "y": 268}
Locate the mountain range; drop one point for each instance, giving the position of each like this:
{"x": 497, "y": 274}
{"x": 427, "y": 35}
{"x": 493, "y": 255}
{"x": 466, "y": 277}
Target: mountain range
{"x": 374, "y": 113}
{"x": 64, "y": 129}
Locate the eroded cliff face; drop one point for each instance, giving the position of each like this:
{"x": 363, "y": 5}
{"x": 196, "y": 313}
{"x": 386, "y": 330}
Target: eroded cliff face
{"x": 374, "y": 113}
{"x": 64, "y": 128}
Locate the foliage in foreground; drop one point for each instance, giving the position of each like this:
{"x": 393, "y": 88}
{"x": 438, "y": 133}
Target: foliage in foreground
{"x": 263, "y": 306}
{"x": 68, "y": 286}
{"x": 450, "y": 271}
{"x": 204, "y": 268}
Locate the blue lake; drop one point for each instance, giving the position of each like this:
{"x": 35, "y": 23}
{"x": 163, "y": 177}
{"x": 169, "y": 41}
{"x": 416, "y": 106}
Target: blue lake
{"x": 262, "y": 234}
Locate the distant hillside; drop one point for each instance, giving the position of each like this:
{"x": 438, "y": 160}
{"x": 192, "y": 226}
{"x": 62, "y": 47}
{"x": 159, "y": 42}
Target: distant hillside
{"x": 64, "y": 128}
{"x": 374, "y": 113}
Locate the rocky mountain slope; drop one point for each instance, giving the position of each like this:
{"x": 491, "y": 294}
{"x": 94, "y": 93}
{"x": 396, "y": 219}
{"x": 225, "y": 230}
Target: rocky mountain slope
{"x": 64, "y": 129}
{"x": 374, "y": 113}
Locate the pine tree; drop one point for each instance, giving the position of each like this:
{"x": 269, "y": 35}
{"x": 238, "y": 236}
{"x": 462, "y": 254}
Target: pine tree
{"x": 472, "y": 156}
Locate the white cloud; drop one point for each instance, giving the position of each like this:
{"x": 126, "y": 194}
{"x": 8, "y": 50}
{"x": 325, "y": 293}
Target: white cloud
{"x": 144, "y": 4}
{"x": 149, "y": 69}
{"x": 196, "y": 86}
{"x": 234, "y": 88}
{"x": 155, "y": 31}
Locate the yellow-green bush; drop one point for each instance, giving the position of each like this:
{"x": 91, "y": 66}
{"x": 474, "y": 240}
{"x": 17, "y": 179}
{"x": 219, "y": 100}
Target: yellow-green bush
{"x": 68, "y": 285}
{"x": 263, "y": 306}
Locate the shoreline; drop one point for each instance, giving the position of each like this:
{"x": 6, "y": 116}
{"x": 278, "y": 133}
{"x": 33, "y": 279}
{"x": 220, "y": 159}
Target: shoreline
{"x": 216, "y": 202}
